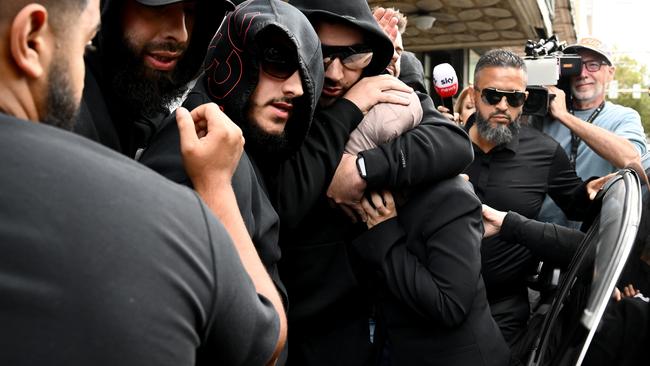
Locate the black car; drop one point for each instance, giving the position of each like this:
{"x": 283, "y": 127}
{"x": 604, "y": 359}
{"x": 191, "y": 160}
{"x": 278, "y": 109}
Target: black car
{"x": 584, "y": 324}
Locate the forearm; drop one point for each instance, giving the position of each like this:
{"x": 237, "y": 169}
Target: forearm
{"x": 434, "y": 150}
{"x": 616, "y": 149}
{"x": 221, "y": 200}
{"x": 309, "y": 171}
{"x": 550, "y": 242}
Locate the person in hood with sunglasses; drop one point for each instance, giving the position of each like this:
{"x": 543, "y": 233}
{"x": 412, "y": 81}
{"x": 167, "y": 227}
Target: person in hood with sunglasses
{"x": 264, "y": 69}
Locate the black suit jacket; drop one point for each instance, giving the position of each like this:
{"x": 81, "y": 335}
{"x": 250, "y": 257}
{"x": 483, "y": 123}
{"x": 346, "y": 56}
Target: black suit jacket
{"x": 432, "y": 299}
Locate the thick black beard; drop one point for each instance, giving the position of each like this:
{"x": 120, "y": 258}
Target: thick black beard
{"x": 497, "y": 135}
{"x": 143, "y": 90}
{"x": 263, "y": 144}
{"x": 62, "y": 106}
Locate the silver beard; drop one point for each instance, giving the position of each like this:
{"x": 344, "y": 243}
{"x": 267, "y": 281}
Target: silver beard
{"x": 499, "y": 134}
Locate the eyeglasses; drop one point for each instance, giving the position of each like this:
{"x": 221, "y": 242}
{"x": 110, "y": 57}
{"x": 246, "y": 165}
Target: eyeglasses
{"x": 493, "y": 96}
{"x": 593, "y": 66}
{"x": 279, "y": 62}
{"x": 354, "y": 57}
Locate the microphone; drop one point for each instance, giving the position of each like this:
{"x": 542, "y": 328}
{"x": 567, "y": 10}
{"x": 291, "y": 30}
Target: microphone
{"x": 445, "y": 82}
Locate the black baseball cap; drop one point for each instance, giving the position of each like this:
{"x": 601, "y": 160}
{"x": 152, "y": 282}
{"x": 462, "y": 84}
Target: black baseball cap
{"x": 226, "y": 4}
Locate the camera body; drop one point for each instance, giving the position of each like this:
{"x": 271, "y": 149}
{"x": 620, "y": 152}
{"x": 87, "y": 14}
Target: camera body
{"x": 547, "y": 65}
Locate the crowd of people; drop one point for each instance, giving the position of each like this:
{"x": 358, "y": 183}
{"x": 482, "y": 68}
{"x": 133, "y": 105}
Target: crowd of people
{"x": 270, "y": 183}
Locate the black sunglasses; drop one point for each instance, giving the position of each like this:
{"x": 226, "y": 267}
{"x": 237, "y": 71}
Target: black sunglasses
{"x": 279, "y": 62}
{"x": 354, "y": 57}
{"x": 494, "y": 96}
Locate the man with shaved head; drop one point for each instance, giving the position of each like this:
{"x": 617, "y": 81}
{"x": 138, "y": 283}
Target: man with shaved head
{"x": 91, "y": 277}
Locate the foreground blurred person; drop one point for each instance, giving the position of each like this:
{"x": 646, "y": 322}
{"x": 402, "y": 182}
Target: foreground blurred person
{"x": 90, "y": 277}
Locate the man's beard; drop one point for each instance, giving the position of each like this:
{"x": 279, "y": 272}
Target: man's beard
{"x": 62, "y": 107}
{"x": 589, "y": 95}
{"x": 500, "y": 134}
{"x": 147, "y": 91}
{"x": 265, "y": 143}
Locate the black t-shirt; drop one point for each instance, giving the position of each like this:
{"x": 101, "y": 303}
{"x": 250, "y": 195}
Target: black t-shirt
{"x": 104, "y": 262}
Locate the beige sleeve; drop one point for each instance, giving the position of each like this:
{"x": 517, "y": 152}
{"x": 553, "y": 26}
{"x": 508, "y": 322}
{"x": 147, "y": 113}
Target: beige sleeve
{"x": 384, "y": 122}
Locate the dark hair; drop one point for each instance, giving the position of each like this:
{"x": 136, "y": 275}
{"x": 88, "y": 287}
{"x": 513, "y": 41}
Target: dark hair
{"x": 499, "y": 58}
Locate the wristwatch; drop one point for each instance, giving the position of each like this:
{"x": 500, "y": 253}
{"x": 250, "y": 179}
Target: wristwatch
{"x": 361, "y": 166}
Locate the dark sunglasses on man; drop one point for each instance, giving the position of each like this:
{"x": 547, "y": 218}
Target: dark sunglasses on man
{"x": 493, "y": 96}
{"x": 279, "y": 62}
{"x": 354, "y": 57}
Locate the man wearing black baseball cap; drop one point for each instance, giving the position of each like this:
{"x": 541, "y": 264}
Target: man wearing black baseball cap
{"x": 598, "y": 136}
{"x": 145, "y": 54}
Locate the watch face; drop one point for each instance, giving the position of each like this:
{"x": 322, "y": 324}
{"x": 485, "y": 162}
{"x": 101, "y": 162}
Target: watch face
{"x": 361, "y": 167}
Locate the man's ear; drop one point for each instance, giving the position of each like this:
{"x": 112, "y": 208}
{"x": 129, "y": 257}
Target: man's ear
{"x": 611, "y": 73}
{"x": 29, "y": 46}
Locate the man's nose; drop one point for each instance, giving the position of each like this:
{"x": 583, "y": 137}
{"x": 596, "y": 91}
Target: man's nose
{"x": 292, "y": 87}
{"x": 395, "y": 56}
{"x": 176, "y": 23}
{"x": 335, "y": 70}
{"x": 503, "y": 104}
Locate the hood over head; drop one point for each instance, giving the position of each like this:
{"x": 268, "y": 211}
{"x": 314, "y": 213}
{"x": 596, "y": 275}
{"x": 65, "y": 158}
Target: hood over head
{"x": 231, "y": 68}
{"x": 209, "y": 14}
{"x": 356, "y": 13}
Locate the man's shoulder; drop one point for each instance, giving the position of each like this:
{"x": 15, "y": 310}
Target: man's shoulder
{"x": 531, "y": 135}
{"x": 453, "y": 190}
{"x": 617, "y": 112}
{"x": 72, "y": 160}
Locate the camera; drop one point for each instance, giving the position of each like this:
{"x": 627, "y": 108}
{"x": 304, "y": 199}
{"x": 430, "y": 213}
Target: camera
{"x": 547, "y": 65}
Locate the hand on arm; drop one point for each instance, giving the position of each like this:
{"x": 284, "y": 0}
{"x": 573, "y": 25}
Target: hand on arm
{"x": 347, "y": 187}
{"x": 616, "y": 149}
{"x": 492, "y": 221}
{"x": 373, "y": 90}
{"x": 211, "y": 146}
{"x": 379, "y": 208}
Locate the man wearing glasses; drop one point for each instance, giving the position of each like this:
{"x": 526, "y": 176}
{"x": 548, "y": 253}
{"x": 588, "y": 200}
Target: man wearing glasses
{"x": 331, "y": 312}
{"x": 598, "y": 136}
{"x": 264, "y": 69}
{"x": 514, "y": 167}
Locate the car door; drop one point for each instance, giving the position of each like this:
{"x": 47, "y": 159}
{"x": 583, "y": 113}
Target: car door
{"x": 586, "y": 287}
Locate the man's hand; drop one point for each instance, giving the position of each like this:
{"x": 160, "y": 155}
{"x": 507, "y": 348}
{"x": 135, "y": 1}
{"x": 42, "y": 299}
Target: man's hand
{"x": 370, "y": 91}
{"x": 628, "y": 291}
{"x": 558, "y": 107}
{"x": 492, "y": 221}
{"x": 379, "y": 208}
{"x": 347, "y": 187}
{"x": 446, "y": 112}
{"x": 387, "y": 21}
{"x": 211, "y": 145}
{"x": 596, "y": 185}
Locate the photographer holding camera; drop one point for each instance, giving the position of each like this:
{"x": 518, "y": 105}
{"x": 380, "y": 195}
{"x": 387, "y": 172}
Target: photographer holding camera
{"x": 598, "y": 136}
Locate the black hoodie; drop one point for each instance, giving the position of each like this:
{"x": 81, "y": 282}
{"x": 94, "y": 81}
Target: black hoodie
{"x": 330, "y": 309}
{"x": 230, "y": 78}
{"x": 231, "y": 67}
{"x": 105, "y": 116}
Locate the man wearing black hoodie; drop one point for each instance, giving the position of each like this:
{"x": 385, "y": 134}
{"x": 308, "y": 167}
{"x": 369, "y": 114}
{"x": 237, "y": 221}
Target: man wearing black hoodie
{"x": 145, "y": 54}
{"x": 330, "y": 308}
{"x": 266, "y": 73}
